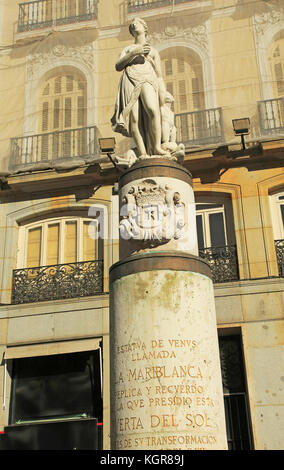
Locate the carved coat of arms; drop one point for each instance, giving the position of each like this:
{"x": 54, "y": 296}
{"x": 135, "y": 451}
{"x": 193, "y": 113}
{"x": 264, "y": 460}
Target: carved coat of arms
{"x": 152, "y": 213}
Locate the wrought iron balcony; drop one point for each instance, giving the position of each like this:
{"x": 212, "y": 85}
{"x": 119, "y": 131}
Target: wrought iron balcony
{"x": 44, "y": 13}
{"x": 223, "y": 262}
{"x": 279, "y": 247}
{"x": 138, "y": 5}
{"x": 271, "y": 116}
{"x": 200, "y": 127}
{"x": 60, "y": 281}
{"x": 52, "y": 147}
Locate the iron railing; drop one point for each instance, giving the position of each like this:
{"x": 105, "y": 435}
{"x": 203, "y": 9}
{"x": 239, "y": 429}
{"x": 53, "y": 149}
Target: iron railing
{"x": 43, "y": 13}
{"x": 137, "y": 5}
{"x": 271, "y": 116}
{"x": 200, "y": 127}
{"x": 53, "y": 146}
{"x": 60, "y": 281}
{"x": 223, "y": 262}
{"x": 279, "y": 247}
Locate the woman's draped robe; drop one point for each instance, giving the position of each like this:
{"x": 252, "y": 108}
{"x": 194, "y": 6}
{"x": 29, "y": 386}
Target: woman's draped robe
{"x": 136, "y": 73}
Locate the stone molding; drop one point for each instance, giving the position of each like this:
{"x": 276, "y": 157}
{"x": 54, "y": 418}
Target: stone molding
{"x": 83, "y": 54}
{"x": 198, "y": 34}
{"x": 156, "y": 261}
{"x": 155, "y": 167}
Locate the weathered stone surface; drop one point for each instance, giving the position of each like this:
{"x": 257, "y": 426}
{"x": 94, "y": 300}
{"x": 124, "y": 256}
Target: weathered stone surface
{"x": 166, "y": 390}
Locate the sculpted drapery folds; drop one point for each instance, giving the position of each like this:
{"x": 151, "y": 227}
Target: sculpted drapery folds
{"x": 141, "y": 96}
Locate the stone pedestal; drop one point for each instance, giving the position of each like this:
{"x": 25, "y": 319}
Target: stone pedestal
{"x": 166, "y": 388}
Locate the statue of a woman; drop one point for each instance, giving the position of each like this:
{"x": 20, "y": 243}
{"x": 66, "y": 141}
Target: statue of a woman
{"x": 141, "y": 93}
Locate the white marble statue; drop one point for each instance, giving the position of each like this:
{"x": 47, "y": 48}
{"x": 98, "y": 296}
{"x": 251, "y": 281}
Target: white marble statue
{"x": 141, "y": 94}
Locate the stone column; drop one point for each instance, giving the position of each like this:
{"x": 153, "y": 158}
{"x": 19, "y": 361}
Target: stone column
{"x": 166, "y": 388}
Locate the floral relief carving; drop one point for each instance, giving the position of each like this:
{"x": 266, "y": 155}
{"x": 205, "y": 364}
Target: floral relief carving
{"x": 83, "y": 54}
{"x": 198, "y": 34}
{"x": 265, "y": 20}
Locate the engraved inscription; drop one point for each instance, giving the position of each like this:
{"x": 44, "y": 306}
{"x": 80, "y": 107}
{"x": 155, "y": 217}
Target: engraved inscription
{"x": 159, "y": 391}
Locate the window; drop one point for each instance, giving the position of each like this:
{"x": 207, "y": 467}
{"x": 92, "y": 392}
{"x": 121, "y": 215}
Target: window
{"x": 277, "y": 212}
{"x": 58, "y": 241}
{"x": 59, "y": 258}
{"x": 235, "y": 395}
{"x": 211, "y": 227}
{"x": 216, "y": 236}
{"x": 62, "y": 107}
{"x": 276, "y": 58}
{"x": 182, "y": 71}
{"x": 57, "y": 386}
{"x": 56, "y": 400}
{"x": 277, "y": 216}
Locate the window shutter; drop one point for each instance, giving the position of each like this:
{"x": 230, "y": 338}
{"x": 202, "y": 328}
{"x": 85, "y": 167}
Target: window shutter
{"x": 46, "y": 90}
{"x": 182, "y": 95}
{"x": 168, "y": 67}
{"x": 57, "y": 84}
{"x": 83, "y": 9}
{"x": 68, "y": 109}
{"x": 44, "y": 126}
{"x": 80, "y": 111}
{"x": 70, "y": 254}
{"x": 279, "y": 77}
{"x": 89, "y": 244}
{"x": 69, "y": 83}
{"x": 180, "y": 65}
{"x": 34, "y": 248}
{"x": 195, "y": 93}
{"x": 52, "y": 254}
{"x": 56, "y": 114}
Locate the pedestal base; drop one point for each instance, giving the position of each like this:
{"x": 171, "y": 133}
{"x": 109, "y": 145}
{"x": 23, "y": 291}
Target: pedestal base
{"x": 166, "y": 388}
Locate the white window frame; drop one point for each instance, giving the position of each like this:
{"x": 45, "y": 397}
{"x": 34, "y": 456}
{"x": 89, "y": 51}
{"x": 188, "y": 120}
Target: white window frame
{"x": 23, "y": 238}
{"x": 205, "y": 213}
{"x": 226, "y": 210}
{"x": 276, "y": 216}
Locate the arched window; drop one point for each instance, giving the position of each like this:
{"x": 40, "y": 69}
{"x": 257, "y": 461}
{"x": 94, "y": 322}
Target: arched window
{"x": 182, "y": 72}
{"x": 62, "y": 115}
{"x": 58, "y": 241}
{"x": 59, "y": 258}
{"x": 276, "y": 59}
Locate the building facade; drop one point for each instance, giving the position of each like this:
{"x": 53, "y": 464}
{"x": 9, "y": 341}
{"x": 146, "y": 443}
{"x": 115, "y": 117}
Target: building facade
{"x": 59, "y": 207}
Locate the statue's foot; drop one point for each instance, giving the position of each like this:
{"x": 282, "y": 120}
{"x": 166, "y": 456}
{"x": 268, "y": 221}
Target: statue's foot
{"x": 160, "y": 151}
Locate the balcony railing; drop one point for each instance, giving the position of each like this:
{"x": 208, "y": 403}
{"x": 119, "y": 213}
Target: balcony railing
{"x": 60, "y": 281}
{"x": 137, "y": 5}
{"x": 279, "y": 247}
{"x": 53, "y": 146}
{"x": 271, "y": 116}
{"x": 223, "y": 262}
{"x": 200, "y": 127}
{"x": 44, "y": 13}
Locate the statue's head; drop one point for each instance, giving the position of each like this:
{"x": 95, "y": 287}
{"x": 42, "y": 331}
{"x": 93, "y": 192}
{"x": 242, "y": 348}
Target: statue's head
{"x": 137, "y": 22}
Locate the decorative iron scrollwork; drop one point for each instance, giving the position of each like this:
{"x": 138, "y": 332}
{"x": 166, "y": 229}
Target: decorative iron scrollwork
{"x": 61, "y": 281}
{"x": 279, "y": 247}
{"x": 223, "y": 262}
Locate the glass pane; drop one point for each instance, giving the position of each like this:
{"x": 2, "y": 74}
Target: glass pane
{"x": 282, "y": 213}
{"x": 89, "y": 244}
{"x": 56, "y": 386}
{"x": 237, "y": 424}
{"x": 52, "y": 244}
{"x": 199, "y": 226}
{"x": 70, "y": 251}
{"x": 200, "y": 207}
{"x": 34, "y": 247}
{"x": 217, "y": 229}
